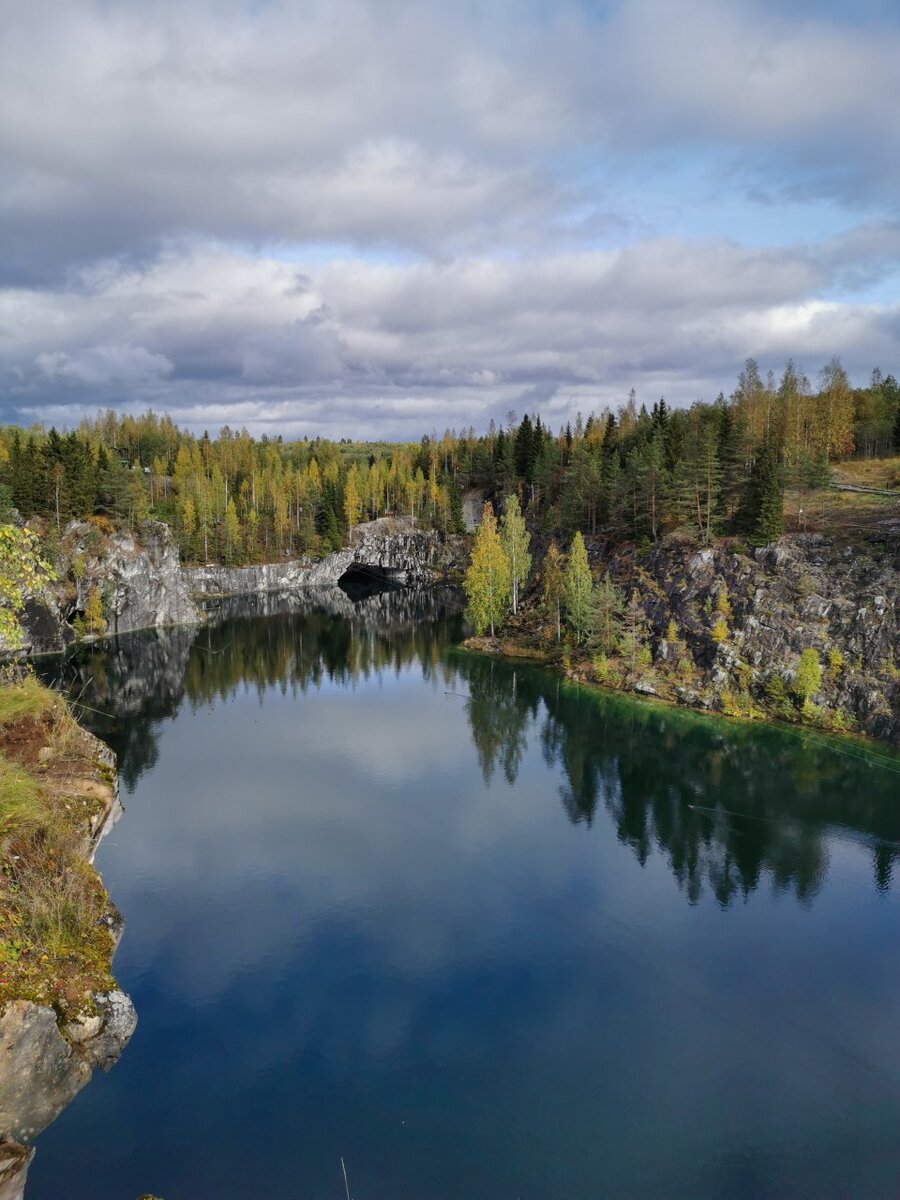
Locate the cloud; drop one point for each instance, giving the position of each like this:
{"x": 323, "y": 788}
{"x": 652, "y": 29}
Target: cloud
{"x": 407, "y": 214}
{"x": 99, "y": 365}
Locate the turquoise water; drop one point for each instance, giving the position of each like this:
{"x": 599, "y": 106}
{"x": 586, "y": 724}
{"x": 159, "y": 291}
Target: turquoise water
{"x": 477, "y": 933}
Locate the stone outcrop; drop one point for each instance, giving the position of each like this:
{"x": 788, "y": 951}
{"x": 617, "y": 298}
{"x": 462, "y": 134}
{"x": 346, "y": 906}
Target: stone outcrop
{"x": 139, "y": 577}
{"x": 802, "y": 592}
{"x": 145, "y": 586}
{"x": 389, "y": 550}
{"x": 47, "y": 1055}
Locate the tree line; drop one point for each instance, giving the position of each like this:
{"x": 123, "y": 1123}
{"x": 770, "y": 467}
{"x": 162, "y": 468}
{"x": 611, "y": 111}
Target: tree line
{"x": 633, "y": 474}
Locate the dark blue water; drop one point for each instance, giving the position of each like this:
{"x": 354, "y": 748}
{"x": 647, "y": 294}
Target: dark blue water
{"x": 479, "y": 934}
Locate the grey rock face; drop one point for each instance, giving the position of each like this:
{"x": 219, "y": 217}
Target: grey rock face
{"x": 140, "y": 578}
{"x": 39, "y": 1070}
{"x": 42, "y": 1067}
{"x": 801, "y": 592}
{"x": 389, "y": 549}
{"x": 145, "y": 586}
{"x": 144, "y": 581}
{"x": 118, "y": 1021}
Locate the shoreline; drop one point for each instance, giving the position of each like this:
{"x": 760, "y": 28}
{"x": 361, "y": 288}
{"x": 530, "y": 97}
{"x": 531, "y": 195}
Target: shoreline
{"x": 512, "y": 652}
{"x": 62, "y": 1013}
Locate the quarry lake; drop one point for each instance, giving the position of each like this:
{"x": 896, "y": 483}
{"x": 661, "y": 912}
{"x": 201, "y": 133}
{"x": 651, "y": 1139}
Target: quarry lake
{"x": 478, "y": 933}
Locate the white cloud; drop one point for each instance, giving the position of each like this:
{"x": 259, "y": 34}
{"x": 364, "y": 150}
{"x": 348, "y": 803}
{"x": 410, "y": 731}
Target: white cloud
{"x": 410, "y": 214}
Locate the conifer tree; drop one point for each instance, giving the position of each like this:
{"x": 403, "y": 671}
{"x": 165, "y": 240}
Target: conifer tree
{"x": 607, "y": 604}
{"x": 577, "y": 589}
{"x": 487, "y": 580}
{"x": 516, "y": 540}
{"x": 635, "y": 624}
{"x": 552, "y": 582}
{"x": 763, "y": 513}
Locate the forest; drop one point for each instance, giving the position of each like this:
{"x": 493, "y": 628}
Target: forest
{"x": 634, "y": 473}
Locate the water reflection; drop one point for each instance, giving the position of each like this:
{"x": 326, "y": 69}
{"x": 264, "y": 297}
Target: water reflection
{"x": 726, "y": 804}
{"x": 425, "y": 910}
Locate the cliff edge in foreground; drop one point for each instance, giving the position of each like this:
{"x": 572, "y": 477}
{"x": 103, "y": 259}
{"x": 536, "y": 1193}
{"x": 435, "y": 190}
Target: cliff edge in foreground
{"x": 61, "y": 1012}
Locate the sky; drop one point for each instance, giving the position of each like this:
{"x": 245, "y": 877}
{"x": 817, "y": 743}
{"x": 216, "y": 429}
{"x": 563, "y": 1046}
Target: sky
{"x": 391, "y": 218}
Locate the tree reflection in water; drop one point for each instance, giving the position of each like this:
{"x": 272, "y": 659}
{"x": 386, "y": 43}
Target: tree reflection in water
{"x": 729, "y": 806}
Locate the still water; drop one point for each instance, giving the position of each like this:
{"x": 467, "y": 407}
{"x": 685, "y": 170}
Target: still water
{"x": 478, "y": 933}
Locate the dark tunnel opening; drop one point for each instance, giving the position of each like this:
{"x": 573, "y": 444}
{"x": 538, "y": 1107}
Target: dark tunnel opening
{"x": 361, "y": 580}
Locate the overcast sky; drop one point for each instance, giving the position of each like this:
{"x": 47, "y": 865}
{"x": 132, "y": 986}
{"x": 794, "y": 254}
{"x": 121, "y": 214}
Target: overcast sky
{"x": 387, "y": 218}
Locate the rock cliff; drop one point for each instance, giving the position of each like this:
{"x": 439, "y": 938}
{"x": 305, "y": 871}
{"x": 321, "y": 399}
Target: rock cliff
{"x": 139, "y": 577}
{"x": 389, "y": 550}
{"x": 48, "y": 1051}
{"x": 143, "y": 584}
{"x": 725, "y": 629}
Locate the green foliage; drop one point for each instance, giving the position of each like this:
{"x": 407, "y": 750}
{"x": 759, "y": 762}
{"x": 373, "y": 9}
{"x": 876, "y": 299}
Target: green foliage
{"x": 607, "y": 606}
{"x": 552, "y": 583}
{"x": 685, "y": 667}
{"x": 487, "y": 580}
{"x": 762, "y": 516}
{"x": 719, "y": 630}
{"x": 578, "y": 589}
{"x": 22, "y": 570}
{"x": 516, "y": 541}
{"x": 21, "y": 804}
{"x": 633, "y": 475}
{"x": 635, "y": 627}
{"x": 744, "y": 675}
{"x": 808, "y": 679}
{"x": 93, "y": 612}
{"x": 22, "y": 696}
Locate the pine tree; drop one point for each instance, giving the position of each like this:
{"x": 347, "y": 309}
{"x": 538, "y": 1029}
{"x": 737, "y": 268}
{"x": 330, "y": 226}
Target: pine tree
{"x": 516, "y": 541}
{"x": 763, "y": 514}
{"x": 456, "y": 520}
{"x": 635, "y": 623}
{"x": 552, "y": 583}
{"x": 577, "y": 589}
{"x": 487, "y": 580}
{"x": 607, "y": 604}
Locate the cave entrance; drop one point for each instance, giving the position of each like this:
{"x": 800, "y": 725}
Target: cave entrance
{"x": 360, "y": 580}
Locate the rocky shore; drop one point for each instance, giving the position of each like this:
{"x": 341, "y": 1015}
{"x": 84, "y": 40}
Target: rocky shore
{"x": 724, "y": 629}
{"x": 144, "y": 585}
{"x": 61, "y": 1013}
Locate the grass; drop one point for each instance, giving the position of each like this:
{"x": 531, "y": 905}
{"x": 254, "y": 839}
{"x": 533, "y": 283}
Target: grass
{"x": 22, "y": 805}
{"x": 850, "y": 518}
{"x": 54, "y": 947}
{"x": 23, "y": 697}
{"x": 869, "y": 472}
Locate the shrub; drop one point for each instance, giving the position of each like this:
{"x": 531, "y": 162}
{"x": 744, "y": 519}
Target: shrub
{"x": 808, "y": 679}
{"x": 720, "y": 630}
{"x": 744, "y": 674}
{"x": 685, "y": 666}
